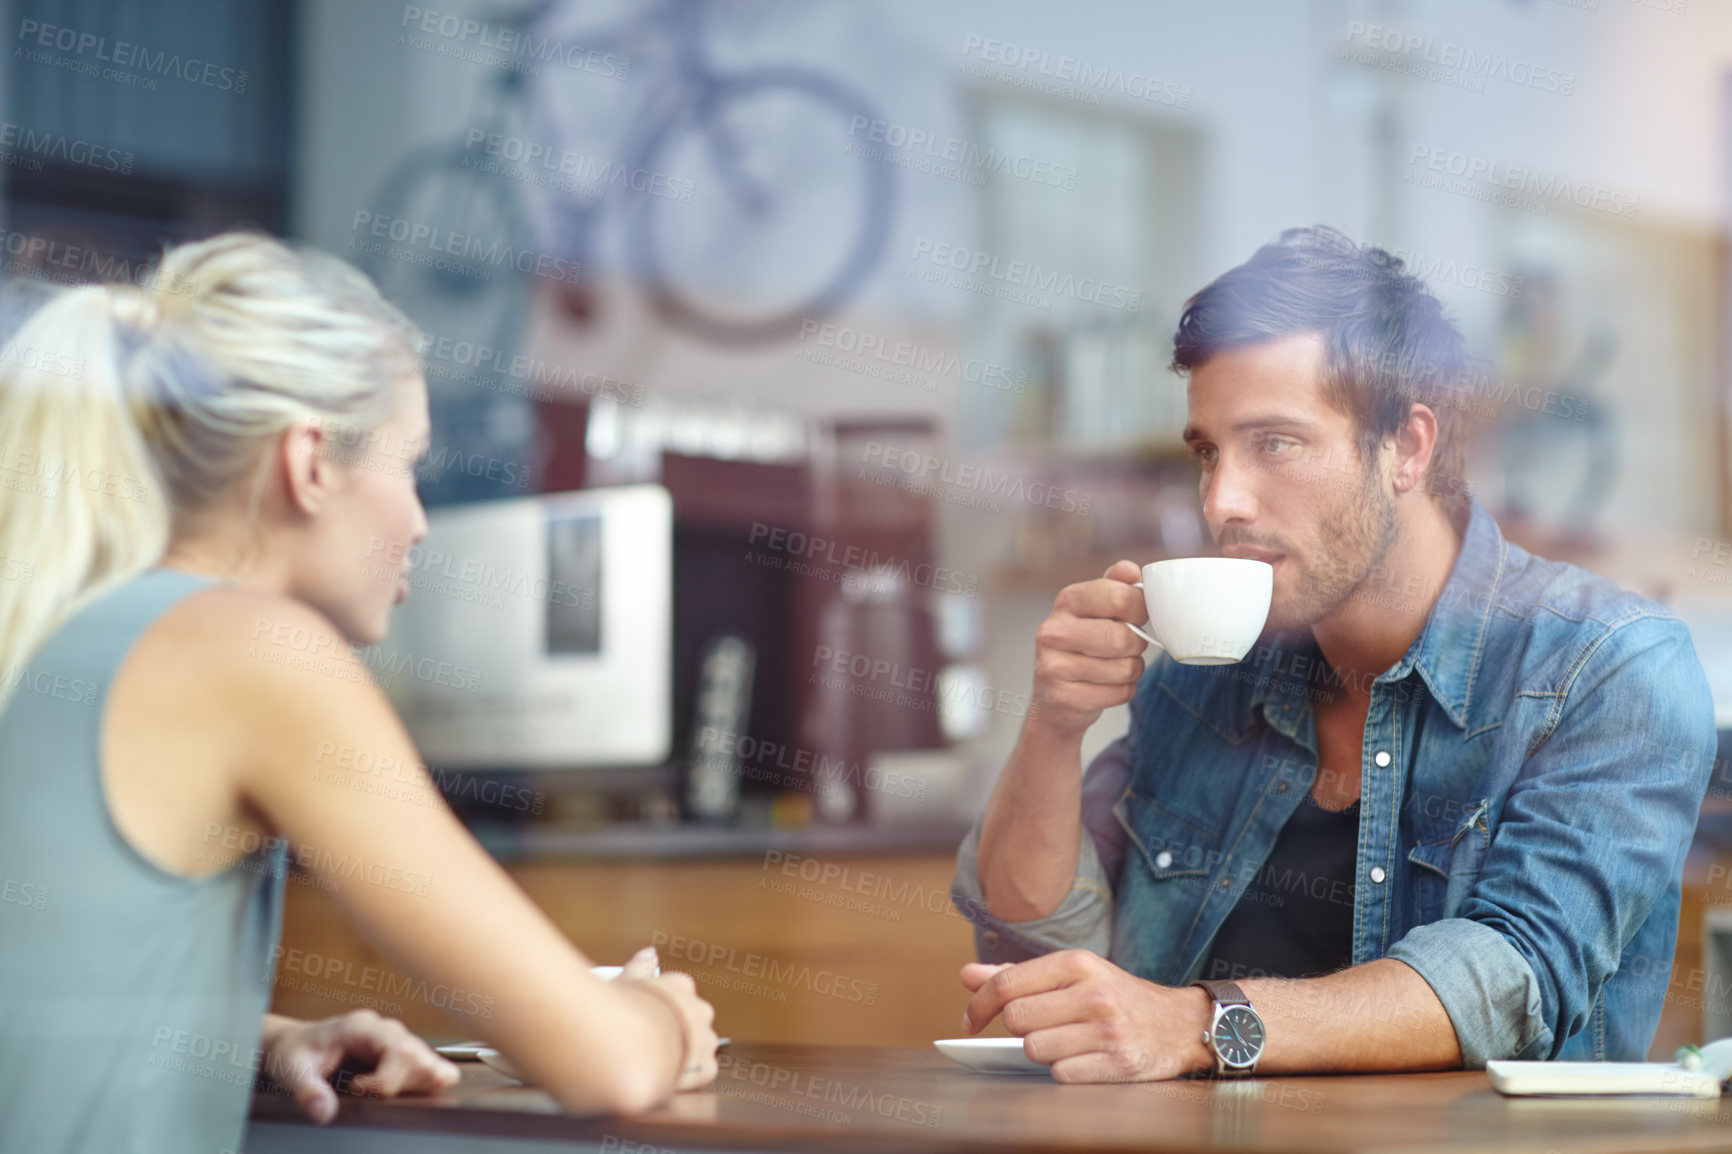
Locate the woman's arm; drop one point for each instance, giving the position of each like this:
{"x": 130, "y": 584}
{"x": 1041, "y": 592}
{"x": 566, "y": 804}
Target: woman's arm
{"x": 414, "y": 880}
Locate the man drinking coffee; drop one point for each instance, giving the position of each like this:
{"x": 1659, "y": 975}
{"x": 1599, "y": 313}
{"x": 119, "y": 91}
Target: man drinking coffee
{"x": 1437, "y": 815}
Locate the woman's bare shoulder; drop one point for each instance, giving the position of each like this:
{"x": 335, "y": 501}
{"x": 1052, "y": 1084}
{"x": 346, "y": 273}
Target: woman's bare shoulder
{"x": 265, "y": 680}
{"x": 226, "y": 685}
{"x": 254, "y": 648}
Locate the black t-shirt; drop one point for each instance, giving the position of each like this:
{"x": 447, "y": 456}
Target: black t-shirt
{"x": 1295, "y": 918}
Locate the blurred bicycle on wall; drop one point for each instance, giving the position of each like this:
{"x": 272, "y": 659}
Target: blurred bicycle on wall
{"x": 740, "y": 208}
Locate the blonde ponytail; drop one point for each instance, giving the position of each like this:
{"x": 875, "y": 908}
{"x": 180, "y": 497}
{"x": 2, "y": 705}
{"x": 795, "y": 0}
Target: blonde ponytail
{"x": 81, "y": 506}
{"x": 126, "y": 412}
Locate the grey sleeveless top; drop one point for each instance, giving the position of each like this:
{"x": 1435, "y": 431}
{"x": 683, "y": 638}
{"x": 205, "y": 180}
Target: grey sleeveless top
{"x": 131, "y": 999}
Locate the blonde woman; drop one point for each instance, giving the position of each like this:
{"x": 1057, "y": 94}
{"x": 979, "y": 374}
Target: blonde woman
{"x": 197, "y": 479}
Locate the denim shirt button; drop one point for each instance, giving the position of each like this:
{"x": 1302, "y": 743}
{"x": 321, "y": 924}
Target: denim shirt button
{"x": 1163, "y": 860}
{"x": 1382, "y": 759}
{"x": 1377, "y": 874}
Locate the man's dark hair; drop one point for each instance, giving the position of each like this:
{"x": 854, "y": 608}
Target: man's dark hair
{"x": 1386, "y": 341}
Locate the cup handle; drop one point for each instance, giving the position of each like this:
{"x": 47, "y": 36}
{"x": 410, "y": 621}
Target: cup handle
{"x": 1140, "y": 633}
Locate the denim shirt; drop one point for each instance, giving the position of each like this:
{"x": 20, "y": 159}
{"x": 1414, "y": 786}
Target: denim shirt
{"x": 1531, "y": 773}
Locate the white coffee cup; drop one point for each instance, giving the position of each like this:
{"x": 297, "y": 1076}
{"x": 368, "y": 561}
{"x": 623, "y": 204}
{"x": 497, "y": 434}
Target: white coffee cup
{"x": 1206, "y": 610}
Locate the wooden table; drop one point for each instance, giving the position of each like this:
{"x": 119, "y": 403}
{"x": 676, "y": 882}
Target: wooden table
{"x": 808, "y": 1098}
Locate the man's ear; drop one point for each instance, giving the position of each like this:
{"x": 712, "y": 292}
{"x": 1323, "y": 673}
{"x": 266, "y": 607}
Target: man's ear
{"x": 305, "y": 469}
{"x": 1414, "y": 443}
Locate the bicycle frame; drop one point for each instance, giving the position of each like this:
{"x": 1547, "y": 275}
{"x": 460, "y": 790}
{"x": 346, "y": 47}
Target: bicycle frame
{"x": 694, "y": 94}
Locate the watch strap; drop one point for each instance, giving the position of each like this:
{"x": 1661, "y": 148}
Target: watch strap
{"x": 1226, "y": 993}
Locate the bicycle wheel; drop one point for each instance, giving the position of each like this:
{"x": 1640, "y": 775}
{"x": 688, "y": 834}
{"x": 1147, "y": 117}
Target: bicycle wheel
{"x": 450, "y": 257}
{"x": 722, "y": 308}
{"x": 450, "y": 253}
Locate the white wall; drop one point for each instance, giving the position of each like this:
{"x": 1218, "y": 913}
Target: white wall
{"x": 1294, "y": 135}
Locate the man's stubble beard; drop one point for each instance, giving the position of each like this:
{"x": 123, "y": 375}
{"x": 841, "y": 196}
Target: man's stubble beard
{"x": 1347, "y": 547}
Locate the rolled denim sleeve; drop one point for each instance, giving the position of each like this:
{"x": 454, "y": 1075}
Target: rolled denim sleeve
{"x": 1592, "y": 833}
{"x": 1083, "y": 920}
{"x": 1486, "y": 986}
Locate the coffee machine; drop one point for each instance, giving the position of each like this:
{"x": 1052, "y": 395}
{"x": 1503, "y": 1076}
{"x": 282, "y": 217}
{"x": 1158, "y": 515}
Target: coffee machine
{"x": 804, "y": 640}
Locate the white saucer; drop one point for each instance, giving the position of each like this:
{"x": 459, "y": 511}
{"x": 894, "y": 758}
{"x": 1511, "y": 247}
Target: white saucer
{"x": 990, "y": 1055}
{"x": 501, "y": 1063}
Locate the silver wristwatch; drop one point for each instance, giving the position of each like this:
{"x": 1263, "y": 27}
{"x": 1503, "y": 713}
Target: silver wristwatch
{"x": 1235, "y": 1036}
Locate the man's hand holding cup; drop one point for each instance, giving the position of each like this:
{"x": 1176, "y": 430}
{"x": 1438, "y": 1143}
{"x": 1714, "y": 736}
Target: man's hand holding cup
{"x": 1085, "y": 660}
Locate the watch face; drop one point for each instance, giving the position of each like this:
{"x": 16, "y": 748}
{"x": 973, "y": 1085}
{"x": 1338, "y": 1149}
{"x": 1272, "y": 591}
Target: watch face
{"x": 1238, "y": 1036}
